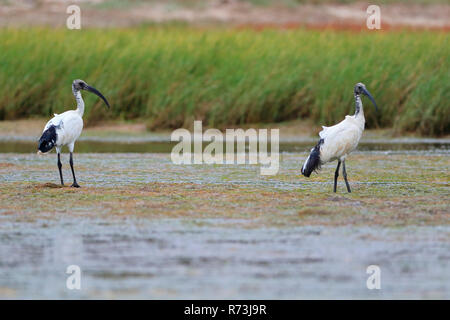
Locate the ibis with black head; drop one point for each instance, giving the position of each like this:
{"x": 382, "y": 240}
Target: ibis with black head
{"x": 65, "y": 128}
{"x": 338, "y": 141}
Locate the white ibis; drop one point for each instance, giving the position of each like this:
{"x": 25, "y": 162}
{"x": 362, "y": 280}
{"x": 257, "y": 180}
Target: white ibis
{"x": 338, "y": 141}
{"x": 65, "y": 128}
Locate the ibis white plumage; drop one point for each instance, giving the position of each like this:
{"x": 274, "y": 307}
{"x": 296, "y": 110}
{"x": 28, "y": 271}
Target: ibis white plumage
{"x": 65, "y": 128}
{"x": 338, "y": 141}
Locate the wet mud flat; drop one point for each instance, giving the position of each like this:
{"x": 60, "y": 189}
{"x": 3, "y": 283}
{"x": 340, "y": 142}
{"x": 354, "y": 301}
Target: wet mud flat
{"x": 142, "y": 227}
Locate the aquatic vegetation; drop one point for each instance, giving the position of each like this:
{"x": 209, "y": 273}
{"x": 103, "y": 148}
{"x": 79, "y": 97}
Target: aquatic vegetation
{"x": 408, "y": 189}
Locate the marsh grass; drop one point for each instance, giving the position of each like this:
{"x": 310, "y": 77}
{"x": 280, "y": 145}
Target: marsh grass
{"x": 171, "y": 75}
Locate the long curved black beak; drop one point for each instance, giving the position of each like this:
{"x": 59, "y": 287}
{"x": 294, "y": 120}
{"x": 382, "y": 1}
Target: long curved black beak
{"x": 95, "y": 91}
{"x": 367, "y": 93}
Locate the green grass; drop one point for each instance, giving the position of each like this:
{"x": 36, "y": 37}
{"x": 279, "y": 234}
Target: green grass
{"x": 172, "y": 75}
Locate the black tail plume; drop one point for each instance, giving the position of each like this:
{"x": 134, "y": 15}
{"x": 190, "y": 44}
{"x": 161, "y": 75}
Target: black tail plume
{"x": 313, "y": 162}
{"x": 47, "y": 140}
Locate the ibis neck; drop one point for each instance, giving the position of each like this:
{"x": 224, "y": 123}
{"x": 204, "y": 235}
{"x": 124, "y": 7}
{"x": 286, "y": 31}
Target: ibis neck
{"x": 359, "y": 111}
{"x": 80, "y": 102}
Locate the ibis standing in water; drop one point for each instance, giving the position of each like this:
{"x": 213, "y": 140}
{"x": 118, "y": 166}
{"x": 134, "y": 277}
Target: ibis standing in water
{"x": 338, "y": 141}
{"x": 65, "y": 128}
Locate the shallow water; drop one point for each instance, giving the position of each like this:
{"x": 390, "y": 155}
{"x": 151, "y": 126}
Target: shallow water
{"x": 89, "y": 145}
{"x": 174, "y": 258}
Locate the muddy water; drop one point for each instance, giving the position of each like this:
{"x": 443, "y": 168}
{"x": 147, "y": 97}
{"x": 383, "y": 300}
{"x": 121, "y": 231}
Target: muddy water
{"x": 182, "y": 258}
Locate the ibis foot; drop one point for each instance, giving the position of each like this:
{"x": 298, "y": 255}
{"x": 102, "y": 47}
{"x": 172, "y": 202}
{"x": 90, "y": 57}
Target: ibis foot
{"x": 75, "y": 185}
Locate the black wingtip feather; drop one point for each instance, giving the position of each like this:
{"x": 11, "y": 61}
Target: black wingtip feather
{"x": 47, "y": 140}
{"x": 313, "y": 162}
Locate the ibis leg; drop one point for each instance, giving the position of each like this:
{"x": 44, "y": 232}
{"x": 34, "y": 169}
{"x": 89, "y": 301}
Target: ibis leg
{"x": 336, "y": 175}
{"x": 74, "y": 184}
{"x": 59, "y": 168}
{"x": 344, "y": 173}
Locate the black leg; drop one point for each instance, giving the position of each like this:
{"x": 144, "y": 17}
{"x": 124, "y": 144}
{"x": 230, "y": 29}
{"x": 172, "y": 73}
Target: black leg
{"x": 336, "y": 175}
{"x": 74, "y": 184}
{"x": 345, "y": 177}
{"x": 59, "y": 168}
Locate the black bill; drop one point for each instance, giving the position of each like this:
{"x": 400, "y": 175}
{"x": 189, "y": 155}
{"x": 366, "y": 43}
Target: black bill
{"x": 93, "y": 90}
{"x": 367, "y": 93}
